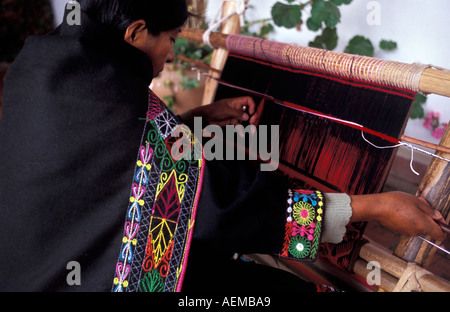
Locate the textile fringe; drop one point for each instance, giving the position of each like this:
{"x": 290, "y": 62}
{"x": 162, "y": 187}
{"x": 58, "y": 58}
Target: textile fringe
{"x": 396, "y": 74}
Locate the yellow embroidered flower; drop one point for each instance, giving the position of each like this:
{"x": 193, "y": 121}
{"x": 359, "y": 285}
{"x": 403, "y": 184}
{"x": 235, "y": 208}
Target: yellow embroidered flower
{"x": 303, "y": 213}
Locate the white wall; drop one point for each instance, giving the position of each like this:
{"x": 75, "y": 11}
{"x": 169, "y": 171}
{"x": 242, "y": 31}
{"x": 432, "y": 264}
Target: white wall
{"x": 421, "y": 29}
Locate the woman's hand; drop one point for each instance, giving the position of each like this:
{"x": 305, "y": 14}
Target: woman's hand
{"x": 401, "y": 212}
{"x": 232, "y": 111}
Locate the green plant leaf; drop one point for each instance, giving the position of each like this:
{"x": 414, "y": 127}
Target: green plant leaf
{"x": 339, "y": 2}
{"x": 417, "y": 110}
{"x": 327, "y": 12}
{"x": 328, "y": 40}
{"x": 312, "y": 24}
{"x": 189, "y": 83}
{"x": 286, "y": 15}
{"x": 388, "y": 45}
{"x": 360, "y": 45}
{"x": 266, "y": 29}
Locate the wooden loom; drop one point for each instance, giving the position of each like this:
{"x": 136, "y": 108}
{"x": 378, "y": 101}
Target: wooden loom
{"x": 397, "y": 268}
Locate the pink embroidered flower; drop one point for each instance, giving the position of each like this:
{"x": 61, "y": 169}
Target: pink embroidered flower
{"x": 307, "y": 231}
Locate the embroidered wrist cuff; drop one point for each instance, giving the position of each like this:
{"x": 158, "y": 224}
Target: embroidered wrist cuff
{"x": 304, "y": 220}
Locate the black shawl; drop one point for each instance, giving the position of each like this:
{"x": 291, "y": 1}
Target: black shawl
{"x": 69, "y": 137}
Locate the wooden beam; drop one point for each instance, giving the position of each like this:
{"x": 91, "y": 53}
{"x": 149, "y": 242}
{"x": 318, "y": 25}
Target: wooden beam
{"x": 220, "y": 54}
{"x": 392, "y": 269}
{"x": 435, "y": 81}
{"x": 435, "y": 188}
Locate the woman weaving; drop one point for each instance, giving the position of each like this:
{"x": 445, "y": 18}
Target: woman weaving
{"x": 72, "y": 190}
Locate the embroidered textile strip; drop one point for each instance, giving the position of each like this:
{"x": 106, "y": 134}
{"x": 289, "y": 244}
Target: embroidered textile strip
{"x": 304, "y": 219}
{"x": 160, "y": 216}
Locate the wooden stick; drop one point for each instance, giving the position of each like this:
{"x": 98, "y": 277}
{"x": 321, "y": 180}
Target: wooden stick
{"x": 393, "y": 268}
{"x": 436, "y": 147}
{"x": 219, "y": 57}
{"x": 432, "y": 80}
{"x": 434, "y": 188}
{"x": 387, "y": 281}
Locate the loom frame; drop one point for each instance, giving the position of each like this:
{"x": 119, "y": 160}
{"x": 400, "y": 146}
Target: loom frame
{"x": 409, "y": 249}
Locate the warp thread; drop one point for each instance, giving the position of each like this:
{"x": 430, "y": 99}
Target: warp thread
{"x": 356, "y": 125}
{"x": 411, "y": 147}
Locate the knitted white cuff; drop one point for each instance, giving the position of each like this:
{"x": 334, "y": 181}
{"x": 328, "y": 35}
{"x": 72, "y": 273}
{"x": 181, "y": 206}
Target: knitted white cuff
{"x": 337, "y": 216}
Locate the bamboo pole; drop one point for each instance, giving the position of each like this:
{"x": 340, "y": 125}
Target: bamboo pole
{"x": 435, "y": 81}
{"x": 392, "y": 269}
{"x": 219, "y": 57}
{"x": 387, "y": 281}
{"x": 435, "y": 188}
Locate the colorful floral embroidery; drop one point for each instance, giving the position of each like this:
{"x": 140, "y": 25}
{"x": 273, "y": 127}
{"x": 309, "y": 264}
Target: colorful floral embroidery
{"x": 303, "y": 224}
{"x": 164, "y": 195}
{"x": 299, "y": 247}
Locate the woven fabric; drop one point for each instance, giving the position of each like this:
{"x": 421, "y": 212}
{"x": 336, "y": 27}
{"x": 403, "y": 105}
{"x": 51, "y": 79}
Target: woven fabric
{"x": 315, "y": 151}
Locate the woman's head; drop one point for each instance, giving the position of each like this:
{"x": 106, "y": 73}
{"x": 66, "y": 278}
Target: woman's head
{"x": 150, "y": 26}
{"x": 159, "y": 15}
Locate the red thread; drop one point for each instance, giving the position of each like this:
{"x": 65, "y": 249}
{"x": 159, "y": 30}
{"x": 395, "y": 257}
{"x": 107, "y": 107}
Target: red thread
{"x": 346, "y": 80}
{"x": 287, "y": 239}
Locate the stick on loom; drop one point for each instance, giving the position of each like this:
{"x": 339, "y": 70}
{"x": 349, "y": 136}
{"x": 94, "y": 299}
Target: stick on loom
{"x": 435, "y": 81}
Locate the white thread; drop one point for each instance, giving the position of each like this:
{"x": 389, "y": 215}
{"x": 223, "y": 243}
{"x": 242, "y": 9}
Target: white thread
{"x": 411, "y": 147}
{"x": 394, "y": 146}
{"x": 433, "y": 244}
{"x": 240, "y": 10}
{"x": 431, "y": 154}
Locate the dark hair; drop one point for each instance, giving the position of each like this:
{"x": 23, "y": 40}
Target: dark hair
{"x": 159, "y": 15}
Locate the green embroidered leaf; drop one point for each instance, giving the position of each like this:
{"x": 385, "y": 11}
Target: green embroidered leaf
{"x": 417, "y": 109}
{"x": 360, "y": 45}
{"x": 151, "y": 282}
{"x": 388, "y": 45}
{"x": 316, "y": 242}
{"x": 286, "y": 15}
